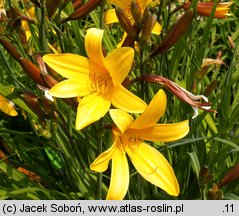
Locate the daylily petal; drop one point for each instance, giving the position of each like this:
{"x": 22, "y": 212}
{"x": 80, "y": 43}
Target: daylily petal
{"x": 153, "y": 166}
{"x": 69, "y": 88}
{"x": 121, "y": 118}
{"x": 93, "y": 45}
{"x": 119, "y": 181}
{"x": 122, "y": 40}
{"x": 90, "y": 109}
{"x": 7, "y": 106}
{"x": 110, "y": 17}
{"x": 157, "y": 29}
{"x": 120, "y": 3}
{"x": 125, "y": 100}
{"x": 143, "y": 4}
{"x": 162, "y": 132}
{"x": 101, "y": 163}
{"x": 153, "y": 112}
{"x": 119, "y": 63}
{"x": 68, "y": 65}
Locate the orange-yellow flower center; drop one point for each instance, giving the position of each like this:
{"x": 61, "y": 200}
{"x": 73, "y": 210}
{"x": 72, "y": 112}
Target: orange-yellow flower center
{"x": 124, "y": 141}
{"x": 101, "y": 83}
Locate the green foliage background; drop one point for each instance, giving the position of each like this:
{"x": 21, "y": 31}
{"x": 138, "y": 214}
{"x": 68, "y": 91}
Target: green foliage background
{"x": 59, "y": 155}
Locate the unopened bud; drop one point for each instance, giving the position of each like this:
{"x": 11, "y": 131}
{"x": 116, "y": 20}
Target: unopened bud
{"x": 83, "y": 10}
{"x": 136, "y": 12}
{"x": 31, "y": 175}
{"x": 201, "y": 73}
{"x": 231, "y": 176}
{"x": 49, "y": 80}
{"x": 210, "y": 87}
{"x": 205, "y": 176}
{"x": 32, "y": 102}
{"x": 52, "y": 5}
{"x": 149, "y": 21}
{"x": 176, "y": 33}
{"x": 77, "y": 4}
{"x": 231, "y": 42}
{"x": 125, "y": 22}
{"x": 22, "y": 36}
{"x": 10, "y": 49}
{"x": 32, "y": 71}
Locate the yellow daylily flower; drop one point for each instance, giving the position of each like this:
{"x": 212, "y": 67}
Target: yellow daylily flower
{"x": 111, "y": 17}
{"x": 129, "y": 136}
{"x": 7, "y": 106}
{"x": 97, "y": 79}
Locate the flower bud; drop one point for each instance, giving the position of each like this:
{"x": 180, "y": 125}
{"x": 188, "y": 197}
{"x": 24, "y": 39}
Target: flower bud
{"x": 125, "y": 22}
{"x": 176, "y": 33}
{"x": 22, "y": 37}
{"x": 32, "y": 71}
{"x": 136, "y": 12}
{"x": 149, "y": 21}
{"x": 49, "y": 80}
{"x": 77, "y": 4}
{"x": 32, "y": 102}
{"x": 210, "y": 87}
{"x": 83, "y": 10}
{"x": 205, "y": 176}
{"x": 13, "y": 14}
{"x": 32, "y": 176}
{"x": 52, "y": 5}
{"x": 10, "y": 48}
{"x": 231, "y": 42}
{"x": 231, "y": 176}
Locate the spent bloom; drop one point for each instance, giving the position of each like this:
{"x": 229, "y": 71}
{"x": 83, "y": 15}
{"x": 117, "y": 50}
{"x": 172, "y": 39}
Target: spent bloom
{"x": 97, "y": 79}
{"x": 129, "y": 136}
{"x": 7, "y": 106}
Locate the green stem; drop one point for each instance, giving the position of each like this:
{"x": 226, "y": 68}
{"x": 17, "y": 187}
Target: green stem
{"x": 42, "y": 30}
{"x": 9, "y": 70}
{"x": 99, "y": 175}
{"x": 102, "y": 14}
